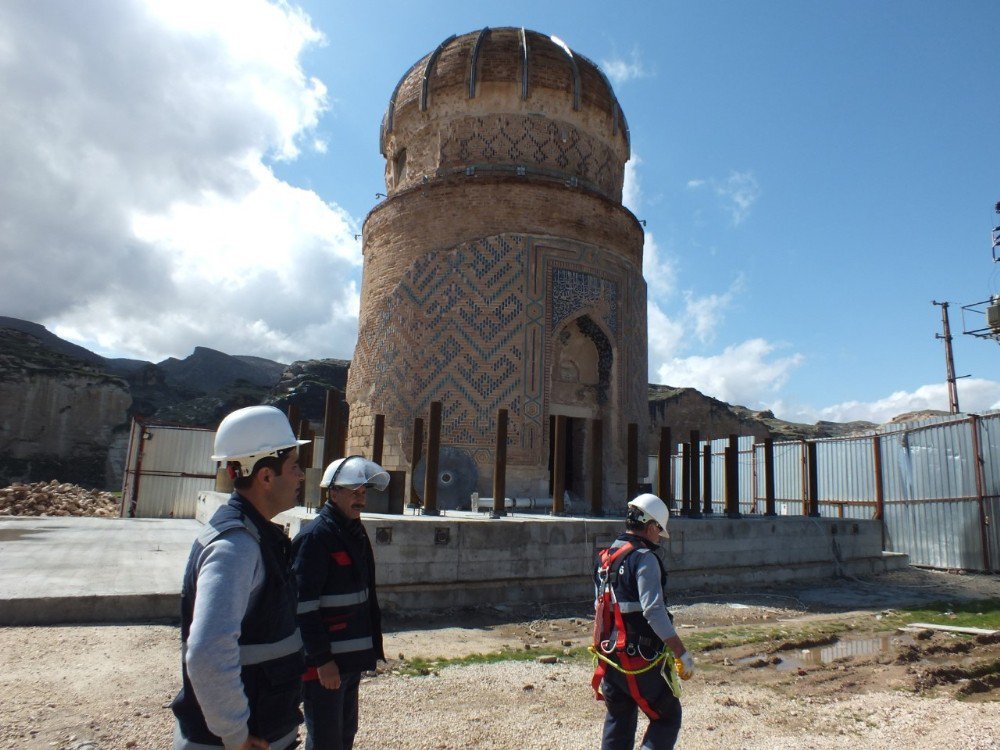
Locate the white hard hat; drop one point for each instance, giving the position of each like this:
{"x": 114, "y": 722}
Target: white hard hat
{"x": 355, "y": 471}
{"x": 250, "y": 434}
{"x": 651, "y": 508}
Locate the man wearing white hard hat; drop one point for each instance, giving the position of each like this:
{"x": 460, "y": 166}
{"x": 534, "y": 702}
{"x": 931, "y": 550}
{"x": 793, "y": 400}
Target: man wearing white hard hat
{"x": 241, "y": 652}
{"x": 639, "y": 654}
{"x": 338, "y": 609}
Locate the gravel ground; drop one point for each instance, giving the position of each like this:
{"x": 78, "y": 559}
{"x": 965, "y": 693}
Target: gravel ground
{"x": 108, "y": 687}
{"x": 85, "y": 688}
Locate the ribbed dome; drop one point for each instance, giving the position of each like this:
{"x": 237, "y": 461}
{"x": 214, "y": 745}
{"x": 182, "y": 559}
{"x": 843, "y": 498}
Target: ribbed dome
{"x": 537, "y": 105}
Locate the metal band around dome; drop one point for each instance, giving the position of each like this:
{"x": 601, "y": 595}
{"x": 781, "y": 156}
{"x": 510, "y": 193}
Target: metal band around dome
{"x": 616, "y": 110}
{"x": 576, "y": 69}
{"x": 428, "y": 69}
{"x": 390, "y": 112}
{"x": 524, "y": 65}
{"x": 474, "y": 60}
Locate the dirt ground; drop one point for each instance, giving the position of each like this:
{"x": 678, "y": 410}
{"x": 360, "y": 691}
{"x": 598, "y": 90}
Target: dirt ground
{"x": 796, "y": 686}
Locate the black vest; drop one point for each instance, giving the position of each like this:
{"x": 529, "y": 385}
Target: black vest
{"x": 624, "y": 581}
{"x": 272, "y": 679}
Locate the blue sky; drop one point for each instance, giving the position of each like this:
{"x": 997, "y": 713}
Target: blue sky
{"x": 811, "y": 175}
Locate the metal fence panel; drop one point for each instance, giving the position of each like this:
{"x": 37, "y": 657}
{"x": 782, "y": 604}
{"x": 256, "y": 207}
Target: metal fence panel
{"x": 167, "y": 468}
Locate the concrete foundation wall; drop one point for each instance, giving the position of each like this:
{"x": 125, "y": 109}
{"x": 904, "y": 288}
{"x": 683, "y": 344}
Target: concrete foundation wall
{"x": 464, "y": 559}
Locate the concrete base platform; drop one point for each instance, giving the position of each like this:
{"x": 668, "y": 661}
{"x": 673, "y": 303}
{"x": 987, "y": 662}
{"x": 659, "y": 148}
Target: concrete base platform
{"x": 61, "y": 570}
{"x": 58, "y": 570}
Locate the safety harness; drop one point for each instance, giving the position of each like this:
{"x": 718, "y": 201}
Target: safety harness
{"x": 619, "y": 654}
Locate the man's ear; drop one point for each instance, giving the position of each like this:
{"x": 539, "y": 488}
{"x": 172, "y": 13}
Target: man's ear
{"x": 265, "y": 475}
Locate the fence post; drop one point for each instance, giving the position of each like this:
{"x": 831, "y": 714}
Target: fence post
{"x": 879, "y": 485}
{"x": 980, "y": 490}
{"x": 813, "y": 482}
{"x": 769, "y": 509}
{"x": 733, "y": 478}
{"x": 706, "y": 470}
{"x": 686, "y": 479}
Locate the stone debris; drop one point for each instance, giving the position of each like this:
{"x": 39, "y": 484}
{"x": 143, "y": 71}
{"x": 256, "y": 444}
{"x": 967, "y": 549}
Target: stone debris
{"x": 56, "y": 499}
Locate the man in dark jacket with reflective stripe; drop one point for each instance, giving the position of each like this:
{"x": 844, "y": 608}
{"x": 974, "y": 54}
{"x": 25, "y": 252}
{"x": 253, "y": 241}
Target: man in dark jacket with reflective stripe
{"x": 338, "y": 610}
{"x": 241, "y": 653}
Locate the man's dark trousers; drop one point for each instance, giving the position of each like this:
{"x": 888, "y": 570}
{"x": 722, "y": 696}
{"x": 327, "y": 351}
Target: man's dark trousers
{"x": 331, "y": 715}
{"x": 623, "y": 712}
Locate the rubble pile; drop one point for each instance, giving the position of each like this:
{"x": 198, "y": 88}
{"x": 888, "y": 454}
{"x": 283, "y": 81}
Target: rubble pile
{"x": 56, "y": 499}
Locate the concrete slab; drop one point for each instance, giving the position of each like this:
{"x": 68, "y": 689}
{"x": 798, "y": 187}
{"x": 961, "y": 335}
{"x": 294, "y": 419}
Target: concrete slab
{"x": 58, "y": 570}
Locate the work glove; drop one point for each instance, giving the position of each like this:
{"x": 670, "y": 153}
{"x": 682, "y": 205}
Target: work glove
{"x": 685, "y": 666}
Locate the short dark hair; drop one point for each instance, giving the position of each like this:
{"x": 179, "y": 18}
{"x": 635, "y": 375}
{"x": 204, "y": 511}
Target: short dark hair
{"x": 632, "y": 520}
{"x": 274, "y": 463}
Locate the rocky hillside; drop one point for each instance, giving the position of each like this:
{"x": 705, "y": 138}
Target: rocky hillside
{"x": 65, "y": 411}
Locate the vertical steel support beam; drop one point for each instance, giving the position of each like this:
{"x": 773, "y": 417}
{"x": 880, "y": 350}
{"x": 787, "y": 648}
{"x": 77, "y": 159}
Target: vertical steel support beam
{"x": 695, "y": 478}
{"x": 769, "y": 504}
{"x": 813, "y": 481}
{"x": 706, "y": 472}
{"x": 559, "y": 465}
{"x": 977, "y": 454}
{"x": 686, "y": 479}
{"x": 331, "y": 426}
{"x": 879, "y": 485}
{"x": 733, "y": 478}
{"x": 596, "y": 467}
{"x": 663, "y": 487}
{"x": 345, "y": 421}
{"x": 378, "y": 438}
{"x": 500, "y": 467}
{"x": 431, "y": 460}
{"x": 632, "y": 456}
{"x": 305, "y": 459}
{"x": 416, "y": 451}
{"x": 294, "y": 417}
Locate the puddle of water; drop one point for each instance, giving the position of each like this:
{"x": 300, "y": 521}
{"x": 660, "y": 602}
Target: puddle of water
{"x": 12, "y": 535}
{"x": 791, "y": 660}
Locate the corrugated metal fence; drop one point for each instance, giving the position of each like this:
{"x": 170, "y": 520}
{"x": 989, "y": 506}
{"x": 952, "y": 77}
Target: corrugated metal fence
{"x": 935, "y": 484}
{"x": 167, "y": 466}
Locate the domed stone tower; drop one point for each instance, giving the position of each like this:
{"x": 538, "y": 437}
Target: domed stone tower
{"x": 501, "y": 270}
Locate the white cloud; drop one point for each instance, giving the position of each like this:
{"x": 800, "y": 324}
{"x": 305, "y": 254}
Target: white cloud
{"x": 659, "y": 269}
{"x": 746, "y": 373}
{"x": 739, "y": 192}
{"x": 632, "y": 188}
{"x": 621, "y": 71}
{"x": 140, "y": 212}
{"x": 975, "y": 395}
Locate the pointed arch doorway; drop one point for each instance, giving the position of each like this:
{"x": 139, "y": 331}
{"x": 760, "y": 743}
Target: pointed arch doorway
{"x": 581, "y": 378}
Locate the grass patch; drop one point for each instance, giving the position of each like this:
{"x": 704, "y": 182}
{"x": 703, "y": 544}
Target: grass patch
{"x": 420, "y": 667}
{"x": 984, "y": 613}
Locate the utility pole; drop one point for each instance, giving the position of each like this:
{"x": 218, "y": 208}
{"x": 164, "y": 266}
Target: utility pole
{"x": 948, "y": 358}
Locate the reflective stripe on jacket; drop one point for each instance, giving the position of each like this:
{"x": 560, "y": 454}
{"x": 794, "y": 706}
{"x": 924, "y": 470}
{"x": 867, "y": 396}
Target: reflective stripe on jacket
{"x": 338, "y": 611}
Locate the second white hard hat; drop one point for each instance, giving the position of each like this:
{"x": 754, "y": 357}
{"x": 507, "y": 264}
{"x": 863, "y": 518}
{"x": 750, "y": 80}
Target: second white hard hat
{"x": 355, "y": 471}
{"x": 250, "y": 434}
{"x": 652, "y": 508}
